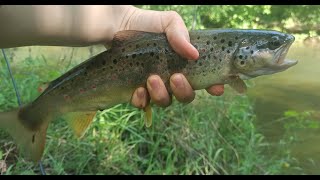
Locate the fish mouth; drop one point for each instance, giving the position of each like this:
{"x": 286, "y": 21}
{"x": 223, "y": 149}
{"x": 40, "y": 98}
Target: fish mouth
{"x": 281, "y": 54}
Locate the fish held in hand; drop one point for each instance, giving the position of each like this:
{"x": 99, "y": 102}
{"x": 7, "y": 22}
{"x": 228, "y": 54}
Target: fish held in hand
{"x": 227, "y": 56}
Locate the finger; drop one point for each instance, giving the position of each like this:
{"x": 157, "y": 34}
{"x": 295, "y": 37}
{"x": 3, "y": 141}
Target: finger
{"x": 140, "y": 98}
{"x": 181, "y": 88}
{"x": 216, "y": 90}
{"x": 158, "y": 92}
{"x": 178, "y": 35}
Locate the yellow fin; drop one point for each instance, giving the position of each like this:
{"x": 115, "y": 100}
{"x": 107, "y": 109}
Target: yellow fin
{"x": 148, "y": 115}
{"x": 80, "y": 121}
{"x": 238, "y": 85}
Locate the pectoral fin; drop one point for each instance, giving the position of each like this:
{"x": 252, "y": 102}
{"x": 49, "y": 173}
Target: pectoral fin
{"x": 238, "y": 85}
{"x": 148, "y": 115}
{"x": 80, "y": 121}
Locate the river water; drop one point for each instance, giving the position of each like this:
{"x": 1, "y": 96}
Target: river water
{"x": 296, "y": 89}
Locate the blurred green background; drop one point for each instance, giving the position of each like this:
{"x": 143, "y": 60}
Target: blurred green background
{"x": 273, "y": 129}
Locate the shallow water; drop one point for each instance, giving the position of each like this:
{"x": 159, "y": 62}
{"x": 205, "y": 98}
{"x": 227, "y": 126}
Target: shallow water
{"x": 296, "y": 89}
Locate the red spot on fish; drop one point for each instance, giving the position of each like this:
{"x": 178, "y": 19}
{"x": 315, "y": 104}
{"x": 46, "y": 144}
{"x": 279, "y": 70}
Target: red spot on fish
{"x": 203, "y": 50}
{"x": 114, "y": 77}
{"x": 40, "y": 89}
{"x": 66, "y": 97}
{"x": 81, "y": 90}
{"x": 94, "y": 87}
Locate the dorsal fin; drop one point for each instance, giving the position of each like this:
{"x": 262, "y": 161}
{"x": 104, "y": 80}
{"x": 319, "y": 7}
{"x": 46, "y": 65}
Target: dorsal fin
{"x": 124, "y": 37}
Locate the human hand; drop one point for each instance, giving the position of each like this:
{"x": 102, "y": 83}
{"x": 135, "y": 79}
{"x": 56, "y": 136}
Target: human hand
{"x": 172, "y": 24}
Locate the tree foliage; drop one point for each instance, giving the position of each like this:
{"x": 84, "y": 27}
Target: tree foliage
{"x": 289, "y": 18}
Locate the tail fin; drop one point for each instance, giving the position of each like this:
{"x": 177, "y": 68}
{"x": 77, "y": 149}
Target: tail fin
{"x": 30, "y": 142}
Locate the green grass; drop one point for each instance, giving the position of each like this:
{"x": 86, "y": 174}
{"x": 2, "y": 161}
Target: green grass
{"x": 212, "y": 135}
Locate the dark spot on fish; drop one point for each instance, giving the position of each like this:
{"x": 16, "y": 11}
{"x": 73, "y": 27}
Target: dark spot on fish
{"x": 245, "y": 57}
{"x": 228, "y": 51}
{"x": 204, "y": 57}
{"x": 142, "y": 64}
{"x": 203, "y": 50}
{"x": 111, "y": 67}
{"x": 137, "y": 63}
{"x": 33, "y": 138}
{"x": 251, "y": 51}
{"x": 134, "y": 55}
{"x": 218, "y": 67}
{"x": 200, "y": 63}
{"x": 61, "y": 87}
{"x": 137, "y": 45}
{"x": 152, "y": 54}
{"x": 211, "y": 49}
{"x": 242, "y": 62}
{"x": 148, "y": 44}
{"x": 130, "y": 46}
{"x": 215, "y": 37}
{"x": 154, "y": 44}
{"x": 157, "y": 57}
{"x": 166, "y": 51}
{"x": 123, "y": 49}
{"x": 115, "y": 61}
{"x": 223, "y": 48}
{"x": 127, "y": 56}
{"x": 247, "y": 47}
{"x": 103, "y": 69}
{"x": 214, "y": 57}
{"x": 240, "y": 57}
{"x": 209, "y": 56}
{"x": 94, "y": 86}
{"x": 198, "y": 37}
{"x": 222, "y": 40}
{"x": 103, "y": 62}
{"x": 208, "y": 42}
{"x": 236, "y": 37}
{"x": 230, "y": 43}
{"x": 131, "y": 64}
{"x": 140, "y": 54}
{"x": 220, "y": 59}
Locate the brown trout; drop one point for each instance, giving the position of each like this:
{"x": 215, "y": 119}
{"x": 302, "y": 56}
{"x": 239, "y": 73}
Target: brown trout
{"x": 227, "y": 56}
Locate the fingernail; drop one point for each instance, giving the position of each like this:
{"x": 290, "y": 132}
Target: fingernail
{"x": 153, "y": 83}
{"x": 178, "y": 81}
{"x": 140, "y": 93}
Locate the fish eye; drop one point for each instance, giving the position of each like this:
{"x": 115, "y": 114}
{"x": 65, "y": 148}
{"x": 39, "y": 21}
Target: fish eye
{"x": 275, "y": 43}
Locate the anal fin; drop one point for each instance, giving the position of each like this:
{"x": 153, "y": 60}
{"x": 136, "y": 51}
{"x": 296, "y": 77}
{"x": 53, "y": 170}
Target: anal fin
{"x": 80, "y": 121}
{"x": 148, "y": 115}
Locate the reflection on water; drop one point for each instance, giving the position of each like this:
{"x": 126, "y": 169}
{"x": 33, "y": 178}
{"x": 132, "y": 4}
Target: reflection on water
{"x": 295, "y": 89}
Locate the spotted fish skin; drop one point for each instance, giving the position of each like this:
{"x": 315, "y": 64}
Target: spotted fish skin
{"x": 110, "y": 78}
